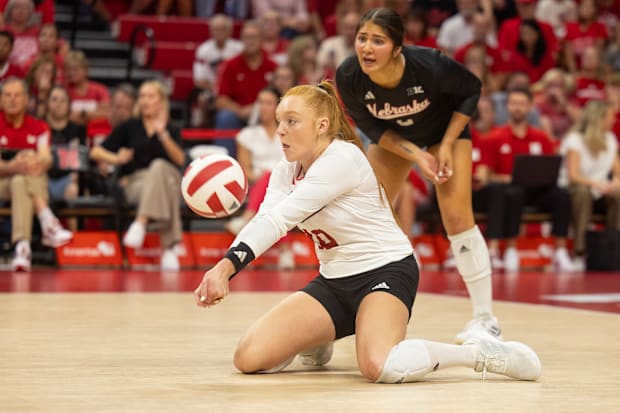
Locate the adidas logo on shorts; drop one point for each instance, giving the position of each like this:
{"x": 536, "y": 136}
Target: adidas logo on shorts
{"x": 381, "y": 286}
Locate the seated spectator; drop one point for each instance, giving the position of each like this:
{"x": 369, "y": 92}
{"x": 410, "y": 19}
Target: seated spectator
{"x": 319, "y": 12}
{"x": 417, "y": 30}
{"x": 241, "y": 78}
{"x": 162, "y": 7}
{"x": 302, "y": 59}
{"x": 457, "y": 31}
{"x": 557, "y": 13}
{"x": 335, "y": 49}
{"x": 515, "y": 80}
{"x": 44, "y": 11}
{"x": 148, "y": 151}
{"x": 62, "y": 184}
{"x": 612, "y": 52}
{"x": 532, "y": 53}
{"x": 589, "y": 81}
{"x": 89, "y": 100}
{"x": 40, "y": 79}
{"x": 283, "y": 79}
{"x": 209, "y": 55}
{"x": 505, "y": 200}
{"x": 7, "y": 68}
{"x": 583, "y": 33}
{"x": 51, "y": 46}
{"x": 508, "y": 35}
{"x": 259, "y": 150}
{"x": 237, "y": 9}
{"x": 272, "y": 42}
{"x": 20, "y": 19}
{"x": 592, "y": 172}
{"x": 294, "y": 15}
{"x": 612, "y": 91}
{"x": 26, "y": 157}
{"x": 552, "y": 98}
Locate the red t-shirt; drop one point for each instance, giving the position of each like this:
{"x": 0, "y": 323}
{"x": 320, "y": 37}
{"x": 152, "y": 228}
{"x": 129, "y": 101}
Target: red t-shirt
{"x": 96, "y": 93}
{"x": 428, "y": 41}
{"x": 97, "y": 130}
{"x": 32, "y": 134}
{"x": 25, "y": 46}
{"x": 494, "y": 59}
{"x": 582, "y": 38}
{"x": 587, "y": 89}
{"x": 242, "y": 84}
{"x": 10, "y": 70}
{"x": 479, "y": 150}
{"x": 516, "y": 61}
{"x": 503, "y": 145}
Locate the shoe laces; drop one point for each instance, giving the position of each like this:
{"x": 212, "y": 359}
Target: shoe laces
{"x": 492, "y": 359}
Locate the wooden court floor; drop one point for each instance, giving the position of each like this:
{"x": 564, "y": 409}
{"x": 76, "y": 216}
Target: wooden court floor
{"x": 157, "y": 352}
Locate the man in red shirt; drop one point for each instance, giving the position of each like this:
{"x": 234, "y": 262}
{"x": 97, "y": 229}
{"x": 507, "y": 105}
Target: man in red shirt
{"x": 26, "y": 157}
{"x": 241, "y": 78}
{"x": 505, "y": 200}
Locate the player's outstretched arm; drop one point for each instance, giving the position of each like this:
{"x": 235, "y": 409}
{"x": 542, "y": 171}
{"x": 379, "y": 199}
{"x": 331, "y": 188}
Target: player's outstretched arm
{"x": 214, "y": 285}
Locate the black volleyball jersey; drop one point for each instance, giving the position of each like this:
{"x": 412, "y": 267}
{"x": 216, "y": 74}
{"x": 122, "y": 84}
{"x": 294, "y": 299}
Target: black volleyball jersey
{"x": 419, "y": 109}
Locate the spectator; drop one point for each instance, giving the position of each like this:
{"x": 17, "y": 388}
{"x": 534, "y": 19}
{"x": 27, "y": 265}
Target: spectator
{"x": 457, "y": 31}
{"x": 608, "y": 13}
{"x": 592, "y": 172}
{"x": 557, "y": 13}
{"x": 242, "y": 77}
{"x": 26, "y": 157}
{"x": 505, "y": 200}
{"x": 40, "y": 79}
{"x": 162, "y": 7}
{"x": 148, "y": 151}
{"x": 283, "y": 79}
{"x": 294, "y": 15}
{"x": 334, "y": 49}
{"x": 272, "y": 42}
{"x": 51, "y": 46}
{"x": 44, "y": 11}
{"x": 515, "y": 80}
{"x": 583, "y": 33}
{"x": 89, "y": 100}
{"x": 417, "y": 29}
{"x": 589, "y": 81}
{"x": 319, "y": 12}
{"x": 62, "y": 184}
{"x": 330, "y": 23}
{"x": 302, "y": 59}
{"x": 437, "y": 11}
{"x": 612, "y": 91}
{"x": 7, "y": 68}
{"x": 552, "y": 98}
{"x": 20, "y": 19}
{"x": 509, "y": 35}
{"x": 259, "y": 150}
{"x": 532, "y": 54}
{"x": 612, "y": 52}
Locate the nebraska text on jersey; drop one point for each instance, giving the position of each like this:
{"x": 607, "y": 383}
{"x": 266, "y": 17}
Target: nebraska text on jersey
{"x": 391, "y": 112}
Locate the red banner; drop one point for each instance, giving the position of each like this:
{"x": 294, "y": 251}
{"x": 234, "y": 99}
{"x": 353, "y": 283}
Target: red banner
{"x": 91, "y": 248}
{"x": 149, "y": 254}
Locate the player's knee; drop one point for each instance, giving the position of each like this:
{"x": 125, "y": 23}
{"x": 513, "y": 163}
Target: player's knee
{"x": 456, "y": 221}
{"x": 370, "y": 366}
{"x": 243, "y": 359}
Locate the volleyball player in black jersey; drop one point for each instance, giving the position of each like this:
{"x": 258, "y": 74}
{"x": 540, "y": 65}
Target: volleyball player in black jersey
{"x": 415, "y": 104}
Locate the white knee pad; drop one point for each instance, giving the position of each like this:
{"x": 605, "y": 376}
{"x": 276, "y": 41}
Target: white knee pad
{"x": 278, "y": 368}
{"x": 471, "y": 254}
{"x": 407, "y": 362}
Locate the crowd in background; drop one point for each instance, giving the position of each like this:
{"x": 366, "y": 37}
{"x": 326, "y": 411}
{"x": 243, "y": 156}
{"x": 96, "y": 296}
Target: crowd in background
{"x": 550, "y": 72}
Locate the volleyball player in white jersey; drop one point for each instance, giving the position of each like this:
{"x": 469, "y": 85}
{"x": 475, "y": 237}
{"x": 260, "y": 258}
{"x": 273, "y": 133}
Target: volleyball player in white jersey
{"x": 368, "y": 274}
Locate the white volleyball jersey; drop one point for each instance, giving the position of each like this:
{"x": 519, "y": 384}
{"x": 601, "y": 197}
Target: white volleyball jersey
{"x": 337, "y": 203}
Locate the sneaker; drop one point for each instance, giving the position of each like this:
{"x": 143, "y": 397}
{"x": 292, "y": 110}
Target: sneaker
{"x": 21, "y": 259}
{"x": 482, "y": 324}
{"x": 286, "y": 260}
{"x": 317, "y": 356}
{"x": 562, "y": 261}
{"x": 496, "y": 262}
{"x": 169, "y": 261}
{"x": 508, "y": 358}
{"x": 511, "y": 259}
{"x": 580, "y": 264}
{"x": 134, "y": 237}
{"x": 54, "y": 235}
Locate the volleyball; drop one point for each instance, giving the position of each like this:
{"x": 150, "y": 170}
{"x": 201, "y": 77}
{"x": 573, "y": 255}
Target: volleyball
{"x": 214, "y": 186}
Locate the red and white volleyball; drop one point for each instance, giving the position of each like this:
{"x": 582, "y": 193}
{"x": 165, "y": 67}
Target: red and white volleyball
{"x": 214, "y": 186}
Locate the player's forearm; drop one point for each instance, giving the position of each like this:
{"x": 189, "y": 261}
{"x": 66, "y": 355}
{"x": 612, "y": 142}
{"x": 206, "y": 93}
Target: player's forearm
{"x": 393, "y": 142}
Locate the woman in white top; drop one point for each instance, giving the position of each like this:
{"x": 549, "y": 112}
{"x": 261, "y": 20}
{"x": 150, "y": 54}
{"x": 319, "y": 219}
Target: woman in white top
{"x": 592, "y": 171}
{"x": 368, "y": 273}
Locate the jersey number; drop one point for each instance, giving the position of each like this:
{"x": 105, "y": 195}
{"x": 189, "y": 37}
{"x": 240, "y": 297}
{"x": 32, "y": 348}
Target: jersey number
{"x": 322, "y": 239}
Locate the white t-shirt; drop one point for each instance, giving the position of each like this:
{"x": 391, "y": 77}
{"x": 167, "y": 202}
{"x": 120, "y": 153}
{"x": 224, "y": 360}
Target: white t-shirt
{"x": 592, "y": 167}
{"x": 266, "y": 151}
{"x": 455, "y": 33}
{"x": 337, "y": 203}
{"x": 209, "y": 56}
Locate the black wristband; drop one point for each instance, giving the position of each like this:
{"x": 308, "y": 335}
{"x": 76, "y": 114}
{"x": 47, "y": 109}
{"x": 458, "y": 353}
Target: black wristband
{"x": 240, "y": 255}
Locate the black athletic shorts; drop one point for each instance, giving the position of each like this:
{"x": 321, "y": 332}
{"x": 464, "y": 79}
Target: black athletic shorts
{"x": 341, "y": 297}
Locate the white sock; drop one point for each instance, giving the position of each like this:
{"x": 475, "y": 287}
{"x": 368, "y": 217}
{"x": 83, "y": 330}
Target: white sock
{"x": 46, "y": 217}
{"x": 449, "y": 355}
{"x": 474, "y": 265}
